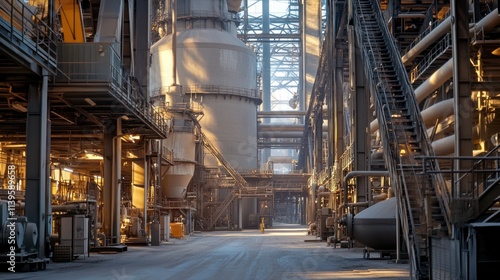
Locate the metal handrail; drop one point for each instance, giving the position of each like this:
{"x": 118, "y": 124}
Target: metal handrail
{"x": 24, "y": 26}
{"x": 120, "y": 86}
{"x": 426, "y": 32}
{"x": 443, "y": 46}
{"x": 211, "y": 89}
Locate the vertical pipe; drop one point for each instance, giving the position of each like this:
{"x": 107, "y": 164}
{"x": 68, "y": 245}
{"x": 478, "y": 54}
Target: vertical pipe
{"x": 240, "y": 215}
{"x": 245, "y": 17}
{"x": 312, "y": 218}
{"x": 266, "y": 72}
{"x": 398, "y": 239}
{"x": 173, "y": 8}
{"x": 107, "y": 173}
{"x": 158, "y": 180}
{"x": 146, "y": 183}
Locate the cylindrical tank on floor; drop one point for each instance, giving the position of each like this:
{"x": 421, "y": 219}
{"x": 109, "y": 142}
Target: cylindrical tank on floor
{"x": 375, "y": 226}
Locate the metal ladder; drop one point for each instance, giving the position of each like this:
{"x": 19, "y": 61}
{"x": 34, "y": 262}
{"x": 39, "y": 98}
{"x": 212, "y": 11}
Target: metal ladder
{"x": 422, "y": 199}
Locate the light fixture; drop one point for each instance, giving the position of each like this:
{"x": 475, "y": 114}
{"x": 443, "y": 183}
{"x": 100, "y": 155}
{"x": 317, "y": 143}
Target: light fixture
{"x": 62, "y": 117}
{"x": 68, "y": 169}
{"x": 125, "y": 117}
{"x": 90, "y": 101}
{"x": 130, "y": 138}
{"x": 19, "y": 107}
{"x": 495, "y": 139}
{"x": 14, "y": 146}
{"x": 496, "y": 52}
{"x": 93, "y": 155}
{"x": 131, "y": 155}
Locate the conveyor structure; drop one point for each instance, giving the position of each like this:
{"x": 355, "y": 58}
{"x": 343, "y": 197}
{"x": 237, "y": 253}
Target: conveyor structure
{"x": 422, "y": 206}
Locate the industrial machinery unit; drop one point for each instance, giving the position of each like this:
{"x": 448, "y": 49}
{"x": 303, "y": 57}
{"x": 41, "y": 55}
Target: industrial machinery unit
{"x": 18, "y": 241}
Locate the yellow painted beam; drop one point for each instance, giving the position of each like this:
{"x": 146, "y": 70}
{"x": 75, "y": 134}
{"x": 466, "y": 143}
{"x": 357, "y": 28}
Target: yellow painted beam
{"x": 70, "y": 13}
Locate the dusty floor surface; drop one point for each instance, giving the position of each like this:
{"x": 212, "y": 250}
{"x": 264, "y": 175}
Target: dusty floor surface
{"x": 281, "y": 252}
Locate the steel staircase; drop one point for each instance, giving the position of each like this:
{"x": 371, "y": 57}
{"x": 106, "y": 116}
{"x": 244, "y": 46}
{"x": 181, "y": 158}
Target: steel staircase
{"x": 423, "y": 199}
{"x": 240, "y": 182}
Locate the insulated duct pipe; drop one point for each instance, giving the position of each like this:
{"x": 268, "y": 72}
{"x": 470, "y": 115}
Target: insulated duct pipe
{"x": 279, "y": 127}
{"x": 281, "y": 114}
{"x": 440, "y": 110}
{"x": 440, "y": 30}
{"x": 446, "y": 145}
{"x": 488, "y": 22}
{"x": 284, "y": 134}
{"x": 357, "y": 173}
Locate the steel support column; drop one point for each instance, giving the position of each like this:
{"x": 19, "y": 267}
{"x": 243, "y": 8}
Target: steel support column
{"x": 463, "y": 105}
{"x": 107, "y": 175}
{"x": 330, "y": 85}
{"x": 147, "y": 175}
{"x": 360, "y": 121}
{"x": 116, "y": 181}
{"x": 112, "y": 181}
{"x": 143, "y": 12}
{"x": 37, "y": 161}
{"x": 318, "y": 142}
{"x": 338, "y": 106}
{"x": 311, "y": 48}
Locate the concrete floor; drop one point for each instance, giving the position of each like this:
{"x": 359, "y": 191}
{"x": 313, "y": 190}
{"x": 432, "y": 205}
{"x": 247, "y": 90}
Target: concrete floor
{"x": 281, "y": 252}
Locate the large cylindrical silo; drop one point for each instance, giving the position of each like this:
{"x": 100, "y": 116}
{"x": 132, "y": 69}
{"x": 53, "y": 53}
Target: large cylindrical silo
{"x": 216, "y": 69}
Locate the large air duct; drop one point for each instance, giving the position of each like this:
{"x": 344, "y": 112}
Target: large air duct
{"x": 438, "y": 111}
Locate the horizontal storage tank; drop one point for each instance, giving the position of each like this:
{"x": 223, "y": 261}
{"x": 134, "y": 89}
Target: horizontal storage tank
{"x": 375, "y": 226}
